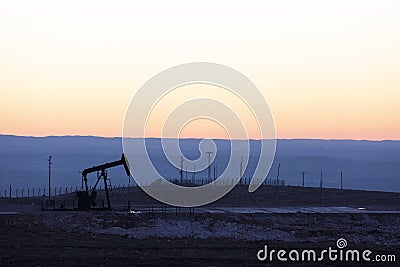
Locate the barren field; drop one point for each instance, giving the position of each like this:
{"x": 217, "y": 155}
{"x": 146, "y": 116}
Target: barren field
{"x": 228, "y": 232}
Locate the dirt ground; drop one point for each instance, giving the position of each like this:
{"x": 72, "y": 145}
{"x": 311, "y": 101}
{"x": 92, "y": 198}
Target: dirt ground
{"x": 118, "y": 238}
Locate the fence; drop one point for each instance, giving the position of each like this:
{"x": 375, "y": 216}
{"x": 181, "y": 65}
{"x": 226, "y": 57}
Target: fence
{"x": 12, "y": 192}
{"x": 16, "y": 192}
{"x": 228, "y": 181}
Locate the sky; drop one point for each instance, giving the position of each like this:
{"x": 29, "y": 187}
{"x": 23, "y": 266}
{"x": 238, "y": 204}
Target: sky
{"x": 328, "y": 69}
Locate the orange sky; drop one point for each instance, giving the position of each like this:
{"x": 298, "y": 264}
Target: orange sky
{"x": 327, "y": 69}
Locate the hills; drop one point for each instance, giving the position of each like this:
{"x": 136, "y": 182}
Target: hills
{"x": 371, "y": 165}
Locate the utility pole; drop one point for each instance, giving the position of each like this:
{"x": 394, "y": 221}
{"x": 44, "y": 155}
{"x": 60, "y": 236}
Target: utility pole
{"x": 129, "y": 193}
{"x": 194, "y": 174}
{"x": 241, "y": 171}
{"x": 277, "y": 176}
{"x": 303, "y": 172}
{"x": 49, "y": 160}
{"x": 341, "y": 179}
{"x": 320, "y": 186}
{"x": 209, "y": 165}
{"x": 81, "y": 179}
{"x": 181, "y": 171}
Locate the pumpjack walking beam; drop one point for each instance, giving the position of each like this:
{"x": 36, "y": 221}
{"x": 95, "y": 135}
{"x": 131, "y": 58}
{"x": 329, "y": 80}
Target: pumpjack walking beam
{"x": 102, "y": 173}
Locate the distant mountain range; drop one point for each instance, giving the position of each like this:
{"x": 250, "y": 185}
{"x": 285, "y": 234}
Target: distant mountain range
{"x": 371, "y": 165}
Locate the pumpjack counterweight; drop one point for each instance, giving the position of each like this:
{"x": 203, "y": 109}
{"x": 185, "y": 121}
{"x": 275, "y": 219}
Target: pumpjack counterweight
{"x": 86, "y": 200}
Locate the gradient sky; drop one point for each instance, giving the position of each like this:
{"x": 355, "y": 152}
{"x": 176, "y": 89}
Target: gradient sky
{"x": 329, "y": 69}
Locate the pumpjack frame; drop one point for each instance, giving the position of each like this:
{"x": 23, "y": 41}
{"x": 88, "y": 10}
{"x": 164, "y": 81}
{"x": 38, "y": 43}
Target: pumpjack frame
{"x": 88, "y": 198}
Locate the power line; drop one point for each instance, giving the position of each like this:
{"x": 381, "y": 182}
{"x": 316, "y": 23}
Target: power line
{"x": 49, "y": 160}
{"x": 194, "y": 173}
{"x": 320, "y": 185}
{"x": 209, "y": 164}
{"x": 277, "y": 176}
{"x": 241, "y": 170}
{"x": 181, "y": 171}
{"x": 341, "y": 179}
{"x": 303, "y": 173}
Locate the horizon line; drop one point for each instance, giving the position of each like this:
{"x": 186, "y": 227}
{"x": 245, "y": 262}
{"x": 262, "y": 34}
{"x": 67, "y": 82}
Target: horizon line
{"x": 198, "y": 138}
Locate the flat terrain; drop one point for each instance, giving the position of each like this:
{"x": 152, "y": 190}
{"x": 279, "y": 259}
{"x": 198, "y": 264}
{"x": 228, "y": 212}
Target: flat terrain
{"x": 264, "y": 197}
{"x": 232, "y": 237}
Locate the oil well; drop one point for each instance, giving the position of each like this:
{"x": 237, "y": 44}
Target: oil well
{"x": 87, "y": 197}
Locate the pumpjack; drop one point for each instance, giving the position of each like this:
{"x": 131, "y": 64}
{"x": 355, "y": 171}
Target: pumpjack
{"x": 86, "y": 199}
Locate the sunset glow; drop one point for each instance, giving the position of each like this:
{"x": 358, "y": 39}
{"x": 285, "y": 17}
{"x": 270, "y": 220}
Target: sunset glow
{"x": 328, "y": 69}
